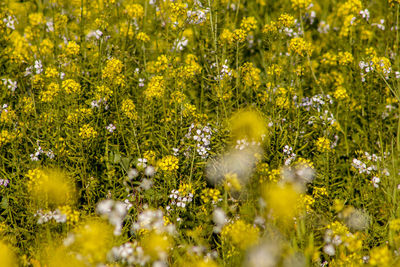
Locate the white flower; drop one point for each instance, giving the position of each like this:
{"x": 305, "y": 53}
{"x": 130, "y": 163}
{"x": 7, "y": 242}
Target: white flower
{"x": 329, "y": 249}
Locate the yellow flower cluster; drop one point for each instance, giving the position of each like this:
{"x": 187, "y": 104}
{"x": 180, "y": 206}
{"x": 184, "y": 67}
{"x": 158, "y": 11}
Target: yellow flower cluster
{"x": 251, "y": 75}
{"x": 319, "y": 192}
{"x": 323, "y": 144}
{"x": 338, "y": 228}
{"x": 87, "y": 132}
{"x": 141, "y": 36}
{"x": 112, "y": 72}
{"x": 394, "y": 225}
{"x": 134, "y": 11}
{"x": 300, "y": 4}
{"x": 177, "y": 10}
{"x": 286, "y": 20}
{"x": 210, "y": 194}
{"x": 300, "y": 47}
{"x": 274, "y": 69}
{"x": 49, "y": 187}
{"x": 72, "y": 215}
{"x": 93, "y": 240}
{"x": 8, "y": 116}
{"x": 79, "y": 115}
{"x": 128, "y": 109}
{"x": 72, "y": 49}
{"x": 350, "y": 7}
{"x": 169, "y": 163}
{"x": 50, "y": 93}
{"x": 28, "y": 105}
{"x": 103, "y": 92}
{"x": 248, "y": 24}
{"x": 345, "y": 58}
{"x": 5, "y": 137}
{"x": 231, "y": 182}
{"x": 340, "y": 93}
{"x": 185, "y": 189}
{"x": 36, "y": 19}
{"x": 284, "y": 96}
{"x": 240, "y": 234}
{"x": 177, "y": 97}
{"x": 282, "y": 201}
{"x": 155, "y": 88}
{"x": 190, "y": 70}
{"x": 380, "y": 256}
{"x": 51, "y": 73}
{"x": 270, "y": 28}
{"x": 71, "y": 87}
{"x": 305, "y": 202}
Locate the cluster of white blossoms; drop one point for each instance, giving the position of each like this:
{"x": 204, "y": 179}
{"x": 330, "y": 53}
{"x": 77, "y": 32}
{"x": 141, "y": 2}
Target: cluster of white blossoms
{"x": 289, "y": 155}
{"x": 114, "y": 211}
{"x": 39, "y": 151}
{"x": 368, "y": 166}
{"x": 56, "y": 215}
{"x": 11, "y": 85}
{"x": 102, "y": 102}
{"x": 201, "y": 136}
{"x": 130, "y": 253}
{"x": 153, "y": 220}
{"x": 244, "y": 144}
{"x": 10, "y": 22}
{"x": 316, "y": 102}
{"x": 197, "y": 16}
{"x": 179, "y": 199}
{"x": 225, "y": 71}
{"x": 37, "y": 68}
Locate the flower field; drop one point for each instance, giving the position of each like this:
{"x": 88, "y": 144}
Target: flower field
{"x": 199, "y": 133}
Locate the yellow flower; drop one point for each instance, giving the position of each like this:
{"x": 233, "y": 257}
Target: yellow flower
{"x": 169, "y": 163}
{"x": 72, "y": 49}
{"x": 323, "y": 144}
{"x": 70, "y": 86}
{"x": 141, "y": 36}
{"x": 299, "y": 46}
{"x": 87, "y": 132}
{"x": 155, "y": 88}
{"x": 128, "y": 109}
{"x": 240, "y": 234}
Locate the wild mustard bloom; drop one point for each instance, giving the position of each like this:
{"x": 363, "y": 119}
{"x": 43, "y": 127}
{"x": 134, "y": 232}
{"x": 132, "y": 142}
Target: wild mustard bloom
{"x": 50, "y": 187}
{"x": 282, "y": 201}
{"x": 300, "y": 47}
{"x": 248, "y": 24}
{"x": 340, "y": 93}
{"x": 71, "y": 87}
{"x": 141, "y": 36}
{"x": 87, "y": 132}
{"x": 156, "y": 245}
{"x": 7, "y": 256}
{"x": 134, "y": 11}
{"x": 155, "y": 87}
{"x": 247, "y": 124}
{"x": 380, "y": 256}
{"x": 72, "y": 49}
{"x": 210, "y": 195}
{"x": 128, "y": 109}
{"x": 92, "y": 239}
{"x": 240, "y": 234}
{"x": 323, "y": 144}
{"x": 300, "y": 4}
{"x": 286, "y": 20}
{"x": 169, "y": 163}
{"x": 50, "y": 93}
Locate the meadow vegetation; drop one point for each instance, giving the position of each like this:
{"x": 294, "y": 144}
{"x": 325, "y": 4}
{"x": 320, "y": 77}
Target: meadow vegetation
{"x": 199, "y": 133}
